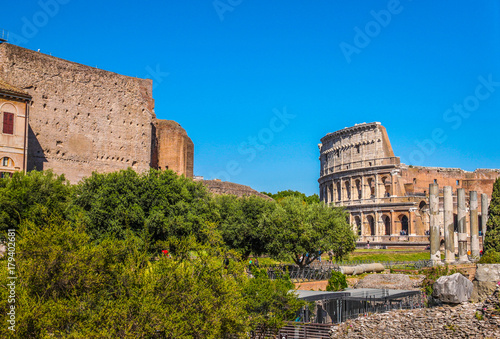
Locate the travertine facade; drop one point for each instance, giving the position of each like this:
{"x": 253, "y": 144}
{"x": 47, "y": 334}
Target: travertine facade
{"x": 388, "y": 201}
{"x": 84, "y": 119}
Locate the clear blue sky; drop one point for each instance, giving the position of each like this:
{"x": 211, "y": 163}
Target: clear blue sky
{"x": 223, "y": 73}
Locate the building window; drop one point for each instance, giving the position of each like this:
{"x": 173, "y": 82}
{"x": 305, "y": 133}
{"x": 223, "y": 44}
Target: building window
{"x": 5, "y": 162}
{"x": 458, "y": 182}
{"x": 8, "y": 123}
{"x": 435, "y": 181}
{"x": 414, "y": 181}
{"x": 357, "y": 149}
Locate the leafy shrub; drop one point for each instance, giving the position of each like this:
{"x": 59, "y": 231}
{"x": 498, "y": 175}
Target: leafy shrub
{"x": 490, "y": 257}
{"x": 337, "y": 282}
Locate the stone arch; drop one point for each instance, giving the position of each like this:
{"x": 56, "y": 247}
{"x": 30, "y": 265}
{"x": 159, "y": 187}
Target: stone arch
{"x": 371, "y": 224}
{"x": 8, "y": 107}
{"x": 359, "y": 190}
{"x": 386, "y": 181}
{"x": 371, "y": 187}
{"x": 357, "y": 222}
{"x": 7, "y": 162}
{"x": 387, "y": 224}
{"x": 404, "y": 223}
{"x": 331, "y": 193}
{"x": 339, "y": 191}
{"x": 347, "y": 186}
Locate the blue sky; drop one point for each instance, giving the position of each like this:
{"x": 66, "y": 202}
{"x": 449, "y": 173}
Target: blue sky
{"x": 256, "y": 84}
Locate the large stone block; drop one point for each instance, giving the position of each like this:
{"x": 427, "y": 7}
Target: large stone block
{"x": 488, "y": 272}
{"x": 453, "y": 289}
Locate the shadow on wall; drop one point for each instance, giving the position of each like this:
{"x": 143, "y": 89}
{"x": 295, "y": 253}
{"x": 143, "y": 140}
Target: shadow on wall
{"x": 36, "y": 155}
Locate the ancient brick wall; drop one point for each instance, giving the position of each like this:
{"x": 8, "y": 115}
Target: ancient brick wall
{"x": 82, "y": 119}
{"x": 225, "y": 187}
{"x": 174, "y": 150}
{"x": 417, "y": 179}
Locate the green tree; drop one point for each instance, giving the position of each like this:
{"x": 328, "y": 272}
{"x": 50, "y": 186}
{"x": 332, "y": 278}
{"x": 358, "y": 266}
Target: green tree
{"x": 289, "y": 193}
{"x": 270, "y": 303}
{"x": 242, "y": 223}
{"x": 156, "y": 205}
{"x": 32, "y": 196}
{"x": 300, "y": 231}
{"x": 492, "y": 237}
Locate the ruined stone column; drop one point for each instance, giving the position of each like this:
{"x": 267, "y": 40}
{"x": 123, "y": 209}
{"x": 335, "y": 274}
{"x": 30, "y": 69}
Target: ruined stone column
{"x": 449, "y": 242}
{"x": 484, "y": 213}
{"x": 462, "y": 230}
{"x": 434, "y": 223}
{"x": 474, "y": 227}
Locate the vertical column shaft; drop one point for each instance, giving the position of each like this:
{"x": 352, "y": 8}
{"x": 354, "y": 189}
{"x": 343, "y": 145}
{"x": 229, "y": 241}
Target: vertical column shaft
{"x": 449, "y": 241}
{"x": 474, "y": 227}
{"x": 462, "y": 230}
{"x": 434, "y": 223}
{"x": 484, "y": 212}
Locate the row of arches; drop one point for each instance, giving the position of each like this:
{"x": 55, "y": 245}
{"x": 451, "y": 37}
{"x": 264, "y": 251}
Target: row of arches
{"x": 386, "y": 220}
{"x": 356, "y": 188}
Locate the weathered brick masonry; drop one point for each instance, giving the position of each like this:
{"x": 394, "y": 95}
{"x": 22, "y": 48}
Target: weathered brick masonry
{"x": 84, "y": 119}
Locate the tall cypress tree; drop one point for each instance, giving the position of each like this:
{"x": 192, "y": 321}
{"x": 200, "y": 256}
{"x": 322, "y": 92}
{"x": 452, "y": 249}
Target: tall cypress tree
{"x": 492, "y": 238}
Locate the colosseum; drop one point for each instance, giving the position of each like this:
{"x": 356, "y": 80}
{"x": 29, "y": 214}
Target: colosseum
{"x": 387, "y": 201}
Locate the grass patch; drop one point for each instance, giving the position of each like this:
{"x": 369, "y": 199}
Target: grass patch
{"x": 389, "y": 255}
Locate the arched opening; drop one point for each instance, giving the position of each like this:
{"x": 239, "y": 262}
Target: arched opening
{"x": 387, "y": 185}
{"x": 387, "y": 223}
{"x": 357, "y": 221}
{"x": 339, "y": 192}
{"x": 371, "y": 223}
{"x": 331, "y": 193}
{"x": 348, "y": 190}
{"x": 371, "y": 185}
{"x": 422, "y": 205}
{"x": 7, "y": 162}
{"x": 404, "y": 224}
{"x": 358, "y": 188}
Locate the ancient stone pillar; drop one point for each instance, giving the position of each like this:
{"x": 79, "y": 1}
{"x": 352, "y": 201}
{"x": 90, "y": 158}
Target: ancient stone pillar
{"x": 449, "y": 242}
{"x": 434, "y": 223}
{"x": 462, "y": 230}
{"x": 474, "y": 227}
{"x": 484, "y": 212}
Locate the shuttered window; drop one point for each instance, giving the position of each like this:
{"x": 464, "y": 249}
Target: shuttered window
{"x": 8, "y": 123}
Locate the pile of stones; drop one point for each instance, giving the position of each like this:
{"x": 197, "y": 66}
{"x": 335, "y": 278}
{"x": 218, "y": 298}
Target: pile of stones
{"x": 466, "y": 320}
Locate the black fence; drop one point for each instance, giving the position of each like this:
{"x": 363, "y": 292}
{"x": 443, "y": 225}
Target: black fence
{"x": 298, "y": 274}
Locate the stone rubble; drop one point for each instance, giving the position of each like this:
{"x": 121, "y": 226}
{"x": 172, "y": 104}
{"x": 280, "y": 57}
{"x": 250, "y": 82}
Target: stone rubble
{"x": 481, "y": 320}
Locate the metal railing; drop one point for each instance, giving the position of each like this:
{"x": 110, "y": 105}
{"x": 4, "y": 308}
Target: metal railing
{"x": 323, "y": 270}
{"x": 4, "y": 35}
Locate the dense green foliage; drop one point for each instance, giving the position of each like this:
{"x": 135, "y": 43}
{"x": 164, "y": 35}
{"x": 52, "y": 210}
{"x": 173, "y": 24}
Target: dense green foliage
{"x": 157, "y": 204}
{"x": 89, "y": 257}
{"x": 492, "y": 237}
{"x": 242, "y": 223}
{"x": 337, "y": 282}
{"x": 490, "y": 257}
{"x": 32, "y": 197}
{"x": 289, "y": 193}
